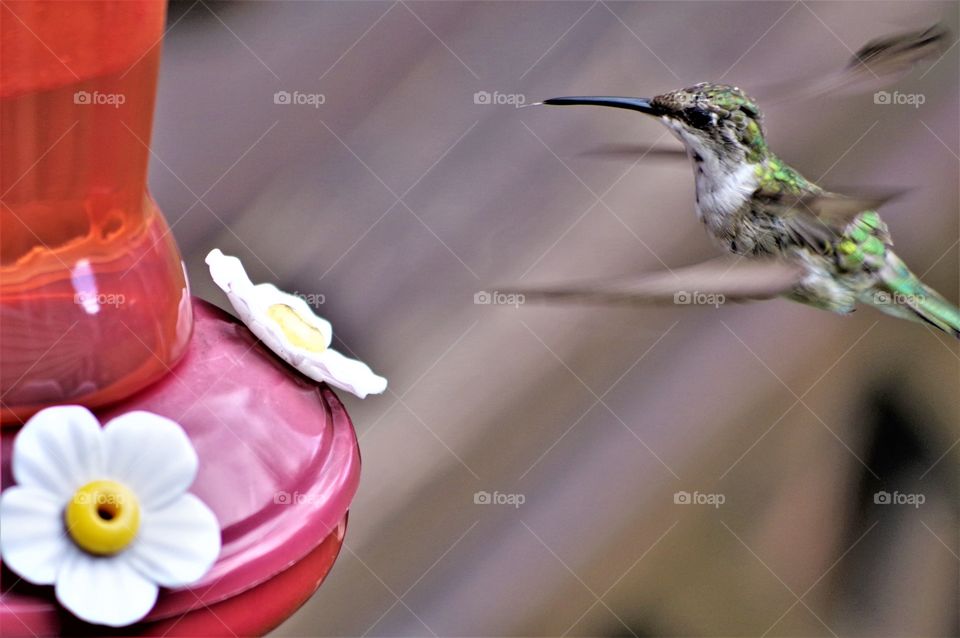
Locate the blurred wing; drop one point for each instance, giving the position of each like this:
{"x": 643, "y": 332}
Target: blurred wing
{"x": 819, "y": 219}
{"x": 736, "y": 279}
{"x": 899, "y": 52}
{"x": 878, "y": 63}
{"x": 636, "y": 152}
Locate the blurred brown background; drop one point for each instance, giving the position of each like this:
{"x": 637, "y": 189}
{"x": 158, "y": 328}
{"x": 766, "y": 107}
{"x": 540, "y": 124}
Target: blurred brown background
{"x": 403, "y": 194}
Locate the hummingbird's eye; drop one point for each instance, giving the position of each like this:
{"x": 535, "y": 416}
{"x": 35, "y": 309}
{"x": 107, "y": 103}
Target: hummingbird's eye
{"x": 698, "y": 117}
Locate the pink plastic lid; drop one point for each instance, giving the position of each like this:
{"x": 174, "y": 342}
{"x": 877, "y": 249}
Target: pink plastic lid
{"x": 279, "y": 464}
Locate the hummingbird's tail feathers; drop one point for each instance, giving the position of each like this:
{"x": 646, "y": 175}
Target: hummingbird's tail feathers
{"x": 721, "y": 280}
{"x": 902, "y": 294}
{"x": 936, "y": 310}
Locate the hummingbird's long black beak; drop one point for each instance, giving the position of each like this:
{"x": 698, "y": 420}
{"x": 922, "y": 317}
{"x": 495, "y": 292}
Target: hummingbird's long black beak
{"x": 641, "y": 104}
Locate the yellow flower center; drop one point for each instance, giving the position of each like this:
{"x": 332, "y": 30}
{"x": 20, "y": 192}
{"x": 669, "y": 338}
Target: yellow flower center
{"x": 297, "y": 331}
{"x": 103, "y": 517}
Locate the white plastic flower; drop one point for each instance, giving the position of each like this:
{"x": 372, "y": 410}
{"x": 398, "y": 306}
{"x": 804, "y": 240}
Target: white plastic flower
{"x": 286, "y": 324}
{"x": 103, "y": 514}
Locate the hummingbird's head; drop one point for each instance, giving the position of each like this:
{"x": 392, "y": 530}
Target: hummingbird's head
{"x": 714, "y": 121}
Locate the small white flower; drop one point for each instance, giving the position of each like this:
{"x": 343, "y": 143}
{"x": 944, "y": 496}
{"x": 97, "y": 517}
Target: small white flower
{"x": 103, "y": 514}
{"x": 286, "y": 324}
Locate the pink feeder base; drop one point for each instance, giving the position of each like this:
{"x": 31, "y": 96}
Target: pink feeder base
{"x": 279, "y": 465}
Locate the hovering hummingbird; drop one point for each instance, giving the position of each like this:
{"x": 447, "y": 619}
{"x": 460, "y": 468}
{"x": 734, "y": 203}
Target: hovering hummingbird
{"x": 787, "y": 235}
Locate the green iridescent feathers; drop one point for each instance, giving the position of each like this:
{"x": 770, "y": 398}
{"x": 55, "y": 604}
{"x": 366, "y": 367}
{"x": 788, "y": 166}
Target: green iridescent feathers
{"x": 776, "y": 177}
{"x": 731, "y": 106}
{"x": 739, "y": 109}
{"x": 864, "y": 244}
